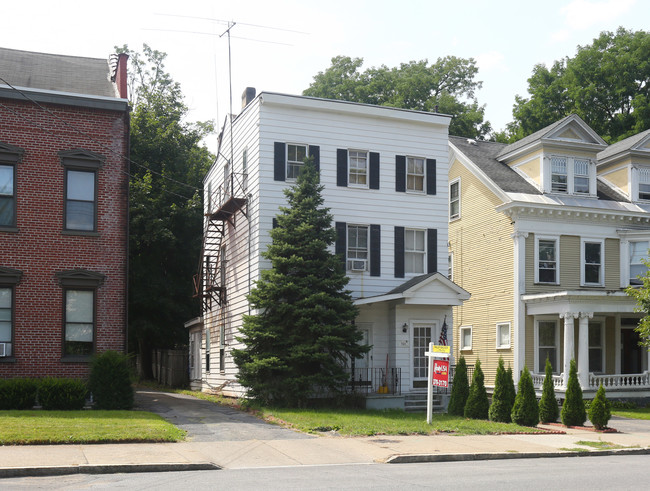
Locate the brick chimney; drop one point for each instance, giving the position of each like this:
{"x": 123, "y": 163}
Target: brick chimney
{"x": 119, "y": 77}
{"x": 247, "y": 96}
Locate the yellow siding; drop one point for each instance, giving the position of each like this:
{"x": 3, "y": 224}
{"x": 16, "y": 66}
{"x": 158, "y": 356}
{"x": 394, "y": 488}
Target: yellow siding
{"x": 619, "y": 178}
{"x": 533, "y": 170}
{"x": 483, "y": 265}
{"x": 525, "y": 158}
{"x": 529, "y": 360}
{"x": 612, "y": 264}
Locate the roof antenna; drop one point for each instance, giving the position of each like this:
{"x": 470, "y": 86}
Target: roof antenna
{"x": 227, "y": 31}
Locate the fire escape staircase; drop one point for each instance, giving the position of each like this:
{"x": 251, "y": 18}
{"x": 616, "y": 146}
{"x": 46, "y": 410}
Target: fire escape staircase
{"x": 225, "y": 202}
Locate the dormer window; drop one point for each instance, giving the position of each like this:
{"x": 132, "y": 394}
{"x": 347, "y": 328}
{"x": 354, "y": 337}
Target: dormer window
{"x": 644, "y": 183}
{"x": 570, "y": 175}
{"x": 580, "y": 176}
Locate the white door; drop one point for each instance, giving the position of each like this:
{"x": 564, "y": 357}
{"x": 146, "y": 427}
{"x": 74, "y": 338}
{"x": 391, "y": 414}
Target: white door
{"x": 363, "y": 366}
{"x": 195, "y": 355}
{"x": 421, "y": 338}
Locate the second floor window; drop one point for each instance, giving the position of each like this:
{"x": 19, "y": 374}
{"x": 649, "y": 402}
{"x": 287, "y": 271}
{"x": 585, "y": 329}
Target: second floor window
{"x": 454, "y": 199}
{"x": 357, "y": 252}
{"x": 415, "y": 174}
{"x": 296, "y": 155}
{"x": 358, "y": 168}
{"x": 547, "y": 260}
{"x": 80, "y": 200}
{"x": 7, "y": 196}
{"x": 638, "y": 252}
{"x": 414, "y": 251}
{"x": 592, "y": 262}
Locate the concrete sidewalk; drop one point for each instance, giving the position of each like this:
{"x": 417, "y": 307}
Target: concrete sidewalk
{"x": 215, "y": 449}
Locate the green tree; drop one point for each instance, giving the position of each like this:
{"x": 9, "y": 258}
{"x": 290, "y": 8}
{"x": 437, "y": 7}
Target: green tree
{"x": 548, "y": 408}
{"x": 600, "y": 410}
{"x": 166, "y": 214}
{"x": 501, "y": 406}
{"x": 448, "y": 84}
{"x": 642, "y": 296}
{"x": 477, "y": 405}
{"x": 303, "y": 336}
{"x": 459, "y": 389}
{"x": 573, "y": 409}
{"x": 525, "y": 410}
{"x": 605, "y": 83}
{"x": 511, "y": 392}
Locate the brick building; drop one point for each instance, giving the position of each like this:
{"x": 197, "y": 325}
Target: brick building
{"x": 64, "y": 136}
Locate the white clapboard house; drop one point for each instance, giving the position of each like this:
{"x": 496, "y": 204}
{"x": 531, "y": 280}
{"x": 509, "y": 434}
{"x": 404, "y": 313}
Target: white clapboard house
{"x": 384, "y": 172}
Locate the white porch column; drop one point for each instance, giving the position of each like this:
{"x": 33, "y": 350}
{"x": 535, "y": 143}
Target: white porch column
{"x": 519, "y": 327}
{"x": 583, "y": 349}
{"x": 569, "y": 351}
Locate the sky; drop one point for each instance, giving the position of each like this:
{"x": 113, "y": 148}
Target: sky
{"x": 278, "y": 46}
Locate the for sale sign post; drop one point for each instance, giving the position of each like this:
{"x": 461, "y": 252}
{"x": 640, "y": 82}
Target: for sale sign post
{"x": 441, "y": 373}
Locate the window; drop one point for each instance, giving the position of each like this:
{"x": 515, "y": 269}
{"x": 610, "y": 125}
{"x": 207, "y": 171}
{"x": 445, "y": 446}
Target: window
{"x": 454, "y": 199}
{"x": 596, "y": 347}
{"x": 547, "y": 342}
{"x": 357, "y": 252}
{"x": 208, "y": 350}
{"x": 503, "y": 335}
{"x": 79, "y": 322}
{"x": 421, "y": 340}
{"x": 559, "y": 174}
{"x": 580, "y": 176}
{"x": 466, "y": 338}
{"x": 644, "y": 183}
{"x": 592, "y": 262}
{"x": 7, "y": 196}
{"x": 414, "y": 251}
{"x": 358, "y": 168}
{"x": 450, "y": 266}
{"x": 638, "y": 252}
{"x": 415, "y": 174}
{"x": 6, "y": 321}
{"x": 80, "y": 200}
{"x": 296, "y": 155}
{"x": 547, "y": 260}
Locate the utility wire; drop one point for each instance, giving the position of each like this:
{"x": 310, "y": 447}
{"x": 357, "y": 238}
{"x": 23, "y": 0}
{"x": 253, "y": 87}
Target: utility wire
{"x": 213, "y": 34}
{"x": 226, "y": 22}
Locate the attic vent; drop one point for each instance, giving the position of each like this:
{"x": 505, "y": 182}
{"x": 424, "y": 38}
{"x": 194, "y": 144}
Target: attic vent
{"x": 112, "y": 63}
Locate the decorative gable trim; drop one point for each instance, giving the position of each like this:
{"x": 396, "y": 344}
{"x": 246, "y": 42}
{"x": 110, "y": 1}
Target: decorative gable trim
{"x": 81, "y": 158}
{"x": 79, "y": 278}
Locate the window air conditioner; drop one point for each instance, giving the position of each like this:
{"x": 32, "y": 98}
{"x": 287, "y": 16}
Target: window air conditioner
{"x": 3, "y": 349}
{"x": 358, "y": 265}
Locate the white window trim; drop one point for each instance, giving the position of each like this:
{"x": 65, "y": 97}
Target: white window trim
{"x": 424, "y": 175}
{"x": 636, "y": 182}
{"x": 356, "y": 185}
{"x": 348, "y": 259}
{"x": 557, "y": 258}
{"x": 286, "y": 161}
{"x": 601, "y": 321}
{"x": 628, "y": 265}
{"x": 548, "y": 171}
{"x": 424, "y": 252}
{"x": 583, "y": 241}
{"x": 536, "y": 343}
{"x": 451, "y": 183}
{"x": 462, "y": 338}
{"x": 450, "y": 266}
{"x": 498, "y": 340}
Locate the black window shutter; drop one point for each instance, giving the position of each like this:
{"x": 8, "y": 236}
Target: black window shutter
{"x": 340, "y": 245}
{"x": 399, "y": 252}
{"x": 432, "y": 250}
{"x": 341, "y": 167}
{"x": 275, "y": 222}
{"x": 279, "y": 161}
{"x": 400, "y": 173}
{"x": 431, "y": 176}
{"x": 373, "y": 179}
{"x": 314, "y": 151}
{"x": 375, "y": 250}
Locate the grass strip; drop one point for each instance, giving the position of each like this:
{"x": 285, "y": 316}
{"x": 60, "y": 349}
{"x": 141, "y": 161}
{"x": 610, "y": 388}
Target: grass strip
{"x": 55, "y": 427}
{"x": 639, "y": 413}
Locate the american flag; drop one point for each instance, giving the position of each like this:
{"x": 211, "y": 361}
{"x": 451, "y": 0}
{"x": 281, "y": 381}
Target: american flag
{"x": 443, "y": 333}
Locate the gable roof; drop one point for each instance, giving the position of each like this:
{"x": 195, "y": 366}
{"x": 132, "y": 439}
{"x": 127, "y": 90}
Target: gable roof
{"x": 59, "y": 73}
{"x": 626, "y": 145}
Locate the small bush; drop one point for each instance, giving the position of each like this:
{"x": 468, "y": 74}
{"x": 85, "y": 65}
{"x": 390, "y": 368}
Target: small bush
{"x": 17, "y": 393}
{"x": 110, "y": 381}
{"x": 477, "y": 405}
{"x": 62, "y": 393}
{"x": 511, "y": 392}
{"x": 525, "y": 411}
{"x": 573, "y": 409}
{"x": 548, "y": 407}
{"x": 623, "y": 405}
{"x": 459, "y": 389}
{"x": 599, "y": 410}
{"x": 501, "y": 406}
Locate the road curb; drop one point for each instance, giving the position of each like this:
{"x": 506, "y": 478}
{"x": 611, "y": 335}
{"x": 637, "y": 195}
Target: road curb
{"x": 104, "y": 469}
{"x": 421, "y": 458}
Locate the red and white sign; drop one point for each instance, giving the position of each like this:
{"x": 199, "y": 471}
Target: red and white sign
{"x": 441, "y": 373}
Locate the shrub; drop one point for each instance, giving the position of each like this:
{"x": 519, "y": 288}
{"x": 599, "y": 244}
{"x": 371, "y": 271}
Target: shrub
{"x": 548, "y": 408}
{"x": 62, "y": 393}
{"x": 501, "y": 406}
{"x": 511, "y": 392}
{"x": 573, "y": 409}
{"x": 599, "y": 410}
{"x": 525, "y": 410}
{"x": 17, "y": 393}
{"x": 477, "y": 405}
{"x": 110, "y": 381}
{"x": 459, "y": 389}
{"x": 623, "y": 405}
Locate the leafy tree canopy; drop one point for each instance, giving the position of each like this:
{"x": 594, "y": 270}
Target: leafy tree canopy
{"x": 165, "y": 222}
{"x": 607, "y": 83}
{"x": 448, "y": 84}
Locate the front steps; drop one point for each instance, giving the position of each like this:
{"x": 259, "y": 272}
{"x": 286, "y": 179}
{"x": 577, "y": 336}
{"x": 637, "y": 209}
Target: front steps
{"x": 415, "y": 402}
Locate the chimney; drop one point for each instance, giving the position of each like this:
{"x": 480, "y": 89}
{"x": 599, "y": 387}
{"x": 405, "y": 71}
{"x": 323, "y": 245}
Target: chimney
{"x": 119, "y": 77}
{"x": 247, "y": 96}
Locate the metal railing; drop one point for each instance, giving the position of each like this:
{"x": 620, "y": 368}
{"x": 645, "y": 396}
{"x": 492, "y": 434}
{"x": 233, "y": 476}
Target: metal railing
{"x": 375, "y": 380}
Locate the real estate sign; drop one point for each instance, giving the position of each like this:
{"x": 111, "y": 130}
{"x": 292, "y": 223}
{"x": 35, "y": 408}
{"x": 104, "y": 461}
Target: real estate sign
{"x": 441, "y": 373}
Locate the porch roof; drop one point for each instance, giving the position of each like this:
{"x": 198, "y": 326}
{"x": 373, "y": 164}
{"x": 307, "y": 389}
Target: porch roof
{"x": 426, "y": 289}
{"x": 605, "y": 301}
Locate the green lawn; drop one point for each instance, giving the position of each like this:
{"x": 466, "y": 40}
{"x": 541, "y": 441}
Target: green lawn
{"x": 48, "y": 427}
{"x": 638, "y": 413}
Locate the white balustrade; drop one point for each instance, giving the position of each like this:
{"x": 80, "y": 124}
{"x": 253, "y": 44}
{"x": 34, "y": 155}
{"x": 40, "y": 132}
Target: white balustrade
{"x": 620, "y": 381}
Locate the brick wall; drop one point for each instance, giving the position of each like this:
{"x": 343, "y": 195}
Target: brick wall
{"x": 40, "y": 248}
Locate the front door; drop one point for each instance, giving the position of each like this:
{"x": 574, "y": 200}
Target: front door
{"x": 631, "y": 352}
{"x": 195, "y": 355}
{"x": 422, "y": 335}
{"x": 362, "y": 367}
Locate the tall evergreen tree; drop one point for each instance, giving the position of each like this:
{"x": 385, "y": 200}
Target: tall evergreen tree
{"x": 459, "y": 389}
{"x": 510, "y": 385}
{"x": 525, "y": 410}
{"x": 501, "y": 403}
{"x": 303, "y": 335}
{"x": 548, "y": 408}
{"x": 573, "y": 409}
{"x": 477, "y": 405}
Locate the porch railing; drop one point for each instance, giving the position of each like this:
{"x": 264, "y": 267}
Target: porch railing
{"x": 538, "y": 380}
{"x": 621, "y": 381}
{"x": 452, "y": 370}
{"x": 373, "y": 380}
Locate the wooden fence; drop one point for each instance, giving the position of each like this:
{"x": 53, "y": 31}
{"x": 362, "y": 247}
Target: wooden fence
{"x": 170, "y": 367}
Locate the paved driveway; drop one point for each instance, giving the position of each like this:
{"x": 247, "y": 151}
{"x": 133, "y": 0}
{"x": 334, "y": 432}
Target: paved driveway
{"x": 206, "y": 421}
